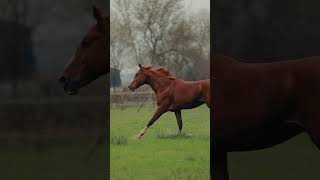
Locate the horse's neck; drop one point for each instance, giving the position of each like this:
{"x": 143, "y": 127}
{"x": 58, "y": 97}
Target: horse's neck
{"x": 159, "y": 83}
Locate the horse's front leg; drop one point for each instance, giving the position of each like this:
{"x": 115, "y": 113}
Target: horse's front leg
{"x": 160, "y": 110}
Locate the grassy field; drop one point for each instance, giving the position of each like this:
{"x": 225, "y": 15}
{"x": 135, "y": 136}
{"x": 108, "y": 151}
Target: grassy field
{"x": 295, "y": 159}
{"x": 63, "y": 162}
{"x": 161, "y": 154}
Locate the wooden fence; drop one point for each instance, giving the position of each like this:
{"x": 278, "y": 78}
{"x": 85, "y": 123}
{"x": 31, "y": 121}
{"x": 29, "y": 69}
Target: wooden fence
{"x": 60, "y": 119}
{"x": 132, "y": 98}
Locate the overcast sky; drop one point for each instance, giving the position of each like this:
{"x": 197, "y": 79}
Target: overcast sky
{"x": 196, "y": 5}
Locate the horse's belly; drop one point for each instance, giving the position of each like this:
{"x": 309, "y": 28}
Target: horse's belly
{"x": 253, "y": 123}
{"x": 190, "y": 105}
{"x": 259, "y": 138}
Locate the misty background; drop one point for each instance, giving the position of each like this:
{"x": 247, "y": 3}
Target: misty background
{"x": 38, "y": 39}
{"x": 170, "y": 33}
{"x": 266, "y": 29}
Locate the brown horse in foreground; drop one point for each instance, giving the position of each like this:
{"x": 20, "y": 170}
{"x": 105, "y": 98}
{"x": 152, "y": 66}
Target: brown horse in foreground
{"x": 172, "y": 94}
{"x": 259, "y": 105}
{"x": 91, "y": 59}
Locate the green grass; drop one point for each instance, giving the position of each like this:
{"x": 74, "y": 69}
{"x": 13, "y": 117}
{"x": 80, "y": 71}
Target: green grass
{"x": 63, "y": 162}
{"x": 163, "y": 153}
{"x": 295, "y": 159}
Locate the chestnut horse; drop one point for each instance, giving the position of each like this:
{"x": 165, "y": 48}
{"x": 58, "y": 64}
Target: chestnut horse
{"x": 259, "y": 105}
{"x": 91, "y": 59}
{"x": 172, "y": 94}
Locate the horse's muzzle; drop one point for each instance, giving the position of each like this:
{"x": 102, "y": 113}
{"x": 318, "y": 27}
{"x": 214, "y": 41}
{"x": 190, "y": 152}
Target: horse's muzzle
{"x": 70, "y": 86}
{"x": 132, "y": 88}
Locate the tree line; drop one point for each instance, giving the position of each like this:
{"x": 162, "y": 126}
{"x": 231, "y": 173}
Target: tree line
{"x": 160, "y": 32}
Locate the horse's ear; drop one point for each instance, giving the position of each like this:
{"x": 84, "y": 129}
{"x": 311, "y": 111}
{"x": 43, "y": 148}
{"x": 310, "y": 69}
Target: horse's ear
{"x": 97, "y": 14}
{"x": 140, "y": 66}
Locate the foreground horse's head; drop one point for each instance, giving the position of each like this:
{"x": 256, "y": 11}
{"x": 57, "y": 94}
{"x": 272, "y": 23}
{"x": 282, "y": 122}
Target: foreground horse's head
{"x": 140, "y": 78}
{"x": 91, "y": 57}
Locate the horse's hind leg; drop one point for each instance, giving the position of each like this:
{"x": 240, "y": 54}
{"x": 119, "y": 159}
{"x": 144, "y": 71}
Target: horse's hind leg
{"x": 314, "y": 134}
{"x": 179, "y": 119}
{"x": 316, "y": 141}
{"x": 313, "y": 129}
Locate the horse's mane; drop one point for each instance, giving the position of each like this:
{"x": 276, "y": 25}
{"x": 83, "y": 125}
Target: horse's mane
{"x": 161, "y": 70}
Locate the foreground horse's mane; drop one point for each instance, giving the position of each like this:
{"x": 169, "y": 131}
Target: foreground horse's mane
{"x": 161, "y": 70}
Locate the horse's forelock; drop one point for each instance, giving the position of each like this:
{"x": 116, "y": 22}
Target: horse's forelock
{"x": 147, "y": 66}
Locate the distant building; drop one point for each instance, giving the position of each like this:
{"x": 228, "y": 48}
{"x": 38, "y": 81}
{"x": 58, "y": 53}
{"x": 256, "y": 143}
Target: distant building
{"x": 16, "y": 52}
{"x": 115, "y": 79}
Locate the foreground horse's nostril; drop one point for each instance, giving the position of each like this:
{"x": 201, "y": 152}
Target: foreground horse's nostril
{"x": 62, "y": 79}
{"x": 131, "y": 87}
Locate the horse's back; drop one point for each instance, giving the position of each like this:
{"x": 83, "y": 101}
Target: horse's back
{"x": 260, "y": 97}
{"x": 187, "y": 91}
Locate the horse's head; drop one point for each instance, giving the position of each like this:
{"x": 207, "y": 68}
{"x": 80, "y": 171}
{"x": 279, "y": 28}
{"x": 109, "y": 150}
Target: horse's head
{"x": 91, "y": 57}
{"x": 139, "y": 79}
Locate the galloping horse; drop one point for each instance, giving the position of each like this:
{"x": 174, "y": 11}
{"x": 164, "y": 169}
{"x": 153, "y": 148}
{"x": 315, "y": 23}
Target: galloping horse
{"x": 172, "y": 94}
{"x": 91, "y": 59}
{"x": 259, "y": 105}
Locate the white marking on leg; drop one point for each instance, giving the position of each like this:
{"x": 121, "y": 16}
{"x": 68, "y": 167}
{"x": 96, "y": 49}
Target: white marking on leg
{"x": 142, "y": 132}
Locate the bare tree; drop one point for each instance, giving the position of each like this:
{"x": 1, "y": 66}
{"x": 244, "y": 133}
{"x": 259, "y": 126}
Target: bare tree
{"x": 123, "y": 14}
{"x": 201, "y": 29}
{"x": 117, "y": 44}
{"x": 147, "y": 23}
{"x": 33, "y": 13}
{"x": 30, "y": 13}
{"x": 161, "y": 32}
{"x": 155, "y": 19}
{"x": 118, "y": 50}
